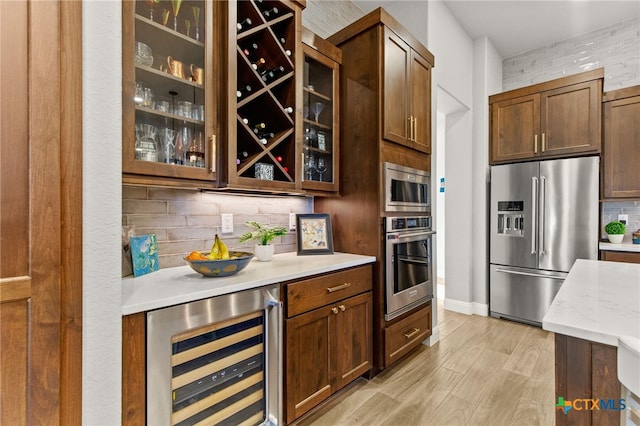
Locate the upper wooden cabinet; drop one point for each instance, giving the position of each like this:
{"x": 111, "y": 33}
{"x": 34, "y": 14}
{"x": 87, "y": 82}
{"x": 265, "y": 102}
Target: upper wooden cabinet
{"x": 621, "y": 175}
{"x": 401, "y": 73}
{"x": 321, "y": 114}
{"x": 559, "y": 118}
{"x": 170, "y": 92}
{"x": 406, "y": 94}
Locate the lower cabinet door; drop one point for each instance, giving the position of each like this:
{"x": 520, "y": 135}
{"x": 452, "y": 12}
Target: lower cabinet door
{"x": 309, "y": 346}
{"x": 354, "y": 335}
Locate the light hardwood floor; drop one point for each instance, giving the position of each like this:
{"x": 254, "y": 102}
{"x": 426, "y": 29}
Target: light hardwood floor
{"x": 483, "y": 371}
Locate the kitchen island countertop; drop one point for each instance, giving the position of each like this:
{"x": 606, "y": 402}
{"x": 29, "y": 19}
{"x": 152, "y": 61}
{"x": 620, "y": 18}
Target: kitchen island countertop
{"x": 599, "y": 301}
{"x": 172, "y": 286}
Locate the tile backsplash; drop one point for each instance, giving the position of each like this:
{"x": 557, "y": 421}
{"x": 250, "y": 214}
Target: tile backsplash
{"x": 611, "y": 210}
{"x": 616, "y": 48}
{"x": 186, "y": 220}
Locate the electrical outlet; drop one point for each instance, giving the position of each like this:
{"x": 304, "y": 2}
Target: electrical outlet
{"x": 292, "y": 221}
{"x": 624, "y": 218}
{"x": 227, "y": 223}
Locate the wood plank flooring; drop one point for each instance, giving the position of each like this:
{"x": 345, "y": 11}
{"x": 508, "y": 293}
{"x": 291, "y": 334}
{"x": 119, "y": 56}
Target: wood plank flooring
{"x": 483, "y": 371}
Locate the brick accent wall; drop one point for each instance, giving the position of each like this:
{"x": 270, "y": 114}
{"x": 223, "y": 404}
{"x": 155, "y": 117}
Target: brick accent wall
{"x": 616, "y": 48}
{"x": 186, "y": 220}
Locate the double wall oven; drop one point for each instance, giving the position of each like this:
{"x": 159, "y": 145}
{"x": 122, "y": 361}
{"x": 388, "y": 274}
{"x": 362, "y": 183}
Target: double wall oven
{"x": 407, "y": 234}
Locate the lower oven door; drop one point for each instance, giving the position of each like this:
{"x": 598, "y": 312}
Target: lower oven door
{"x": 408, "y": 263}
{"x": 216, "y": 361}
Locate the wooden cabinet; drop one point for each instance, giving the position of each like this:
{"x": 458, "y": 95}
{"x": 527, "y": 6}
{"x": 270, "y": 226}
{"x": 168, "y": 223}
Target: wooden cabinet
{"x": 406, "y": 94}
{"x": 586, "y": 370}
{"x": 406, "y": 334}
{"x": 621, "y": 174}
{"x": 372, "y": 47}
{"x": 555, "y": 119}
{"x": 328, "y": 341}
{"x": 171, "y": 85}
{"x": 321, "y": 114}
{"x": 265, "y": 93}
{"x": 620, "y": 256}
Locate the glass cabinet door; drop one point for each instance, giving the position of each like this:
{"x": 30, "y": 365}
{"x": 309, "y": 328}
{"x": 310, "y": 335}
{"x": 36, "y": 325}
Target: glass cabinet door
{"x": 320, "y": 116}
{"x": 169, "y": 89}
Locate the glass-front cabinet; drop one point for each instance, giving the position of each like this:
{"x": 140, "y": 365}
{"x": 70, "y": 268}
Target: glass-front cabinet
{"x": 320, "y": 142}
{"x": 170, "y": 92}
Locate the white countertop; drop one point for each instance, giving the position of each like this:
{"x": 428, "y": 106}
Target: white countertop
{"x": 598, "y": 301}
{"x": 624, "y": 246}
{"x": 172, "y": 286}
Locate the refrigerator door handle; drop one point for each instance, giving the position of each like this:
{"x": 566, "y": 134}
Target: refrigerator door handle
{"x": 543, "y": 195}
{"x": 534, "y": 212}
{"x": 529, "y": 274}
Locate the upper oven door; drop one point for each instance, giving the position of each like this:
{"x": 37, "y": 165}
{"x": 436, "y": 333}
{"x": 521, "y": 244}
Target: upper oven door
{"x": 406, "y": 189}
{"x": 408, "y": 271}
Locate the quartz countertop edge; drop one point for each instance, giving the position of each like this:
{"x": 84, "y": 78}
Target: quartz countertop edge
{"x": 598, "y": 301}
{"x": 624, "y": 246}
{"x": 181, "y": 284}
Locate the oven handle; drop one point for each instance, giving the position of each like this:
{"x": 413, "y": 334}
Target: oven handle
{"x": 409, "y": 236}
{"x": 414, "y": 262}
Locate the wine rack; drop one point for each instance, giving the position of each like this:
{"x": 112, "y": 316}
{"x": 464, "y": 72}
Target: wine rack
{"x": 263, "y": 151}
{"x": 320, "y": 156}
{"x": 169, "y": 92}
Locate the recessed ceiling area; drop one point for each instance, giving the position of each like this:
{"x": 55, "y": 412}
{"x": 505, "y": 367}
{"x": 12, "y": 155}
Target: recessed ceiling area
{"x": 518, "y": 26}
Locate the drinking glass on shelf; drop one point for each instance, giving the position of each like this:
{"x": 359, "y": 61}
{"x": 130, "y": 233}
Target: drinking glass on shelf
{"x": 196, "y": 21}
{"x": 317, "y": 108}
{"x": 310, "y": 165}
{"x": 322, "y": 166}
{"x": 187, "y": 26}
{"x": 175, "y": 8}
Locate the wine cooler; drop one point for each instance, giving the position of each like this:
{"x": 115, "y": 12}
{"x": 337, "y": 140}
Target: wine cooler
{"x": 216, "y": 361}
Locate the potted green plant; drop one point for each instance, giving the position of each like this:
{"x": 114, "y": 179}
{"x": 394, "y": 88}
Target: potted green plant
{"x": 615, "y": 231}
{"x": 263, "y": 235}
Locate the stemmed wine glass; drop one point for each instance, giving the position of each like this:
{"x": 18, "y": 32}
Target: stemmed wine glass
{"x": 317, "y": 108}
{"x": 175, "y": 7}
{"x": 322, "y": 166}
{"x": 311, "y": 165}
{"x": 196, "y": 21}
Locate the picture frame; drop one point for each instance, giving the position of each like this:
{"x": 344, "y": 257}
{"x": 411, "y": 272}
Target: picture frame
{"x": 314, "y": 234}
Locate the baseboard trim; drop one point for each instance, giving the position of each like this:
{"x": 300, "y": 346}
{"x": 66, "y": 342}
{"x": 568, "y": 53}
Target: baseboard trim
{"x": 467, "y": 308}
{"x": 433, "y": 339}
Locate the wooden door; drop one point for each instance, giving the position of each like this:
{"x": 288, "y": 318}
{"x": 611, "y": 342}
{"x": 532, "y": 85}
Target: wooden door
{"x": 354, "y": 345}
{"x": 570, "y": 119}
{"x": 396, "y": 120}
{"x": 309, "y": 360}
{"x": 515, "y": 129}
{"x": 40, "y": 212}
{"x": 622, "y": 148}
{"x": 421, "y": 102}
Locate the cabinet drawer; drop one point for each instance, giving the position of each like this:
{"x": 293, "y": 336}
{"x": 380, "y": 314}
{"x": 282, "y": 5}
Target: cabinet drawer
{"x": 303, "y": 296}
{"x": 402, "y": 337}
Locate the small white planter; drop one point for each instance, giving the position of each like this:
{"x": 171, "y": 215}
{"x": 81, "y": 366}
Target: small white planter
{"x": 264, "y": 253}
{"x": 615, "y": 238}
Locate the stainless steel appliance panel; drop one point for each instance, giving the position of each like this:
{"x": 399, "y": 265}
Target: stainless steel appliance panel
{"x": 568, "y": 224}
{"x": 522, "y": 294}
{"x": 514, "y": 183}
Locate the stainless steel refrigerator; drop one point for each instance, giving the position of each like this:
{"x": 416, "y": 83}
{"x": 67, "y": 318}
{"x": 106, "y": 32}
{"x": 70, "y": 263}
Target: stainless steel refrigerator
{"x": 544, "y": 216}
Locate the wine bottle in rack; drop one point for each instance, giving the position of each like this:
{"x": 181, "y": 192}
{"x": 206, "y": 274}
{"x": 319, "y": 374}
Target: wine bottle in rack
{"x": 245, "y": 121}
{"x": 272, "y": 74}
{"x": 287, "y": 52}
{"x": 263, "y": 141}
{"x": 288, "y": 110}
{"x": 258, "y": 127}
{"x": 250, "y": 51}
{"x": 270, "y": 13}
{"x": 243, "y": 25}
{"x": 259, "y": 64}
{"x": 266, "y": 135}
{"x": 243, "y": 91}
{"x": 241, "y": 155}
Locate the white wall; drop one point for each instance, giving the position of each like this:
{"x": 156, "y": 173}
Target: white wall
{"x": 102, "y": 174}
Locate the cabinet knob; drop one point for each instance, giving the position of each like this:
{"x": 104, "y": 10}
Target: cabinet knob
{"x": 342, "y": 308}
{"x": 334, "y": 310}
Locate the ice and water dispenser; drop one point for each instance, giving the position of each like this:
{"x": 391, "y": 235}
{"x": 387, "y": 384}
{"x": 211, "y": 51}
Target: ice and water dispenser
{"x": 511, "y": 218}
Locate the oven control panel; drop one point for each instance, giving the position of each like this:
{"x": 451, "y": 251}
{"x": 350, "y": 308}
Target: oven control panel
{"x": 407, "y": 223}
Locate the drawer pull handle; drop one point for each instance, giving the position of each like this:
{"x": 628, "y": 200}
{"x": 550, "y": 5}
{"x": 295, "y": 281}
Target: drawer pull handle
{"x": 342, "y": 308}
{"x": 412, "y": 333}
{"x": 339, "y": 287}
{"x": 334, "y": 310}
